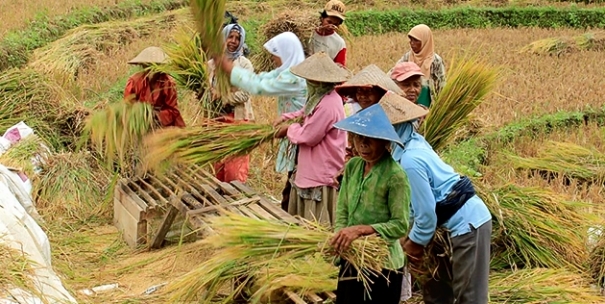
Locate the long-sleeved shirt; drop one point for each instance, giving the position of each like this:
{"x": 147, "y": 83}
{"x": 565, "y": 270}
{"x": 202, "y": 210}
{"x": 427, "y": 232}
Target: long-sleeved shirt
{"x": 381, "y": 199}
{"x": 436, "y": 81}
{"x": 321, "y": 153}
{"x": 291, "y": 92}
{"x": 432, "y": 180}
{"x": 162, "y": 96}
{"x": 332, "y": 44}
{"x": 239, "y": 99}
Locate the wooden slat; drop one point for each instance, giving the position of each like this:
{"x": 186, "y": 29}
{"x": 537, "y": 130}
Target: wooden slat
{"x": 294, "y": 297}
{"x": 226, "y": 187}
{"x": 313, "y": 298}
{"x": 152, "y": 189}
{"x": 330, "y": 295}
{"x": 247, "y": 212}
{"x": 243, "y": 188}
{"x": 189, "y": 199}
{"x": 135, "y": 198}
{"x": 261, "y": 212}
{"x": 128, "y": 203}
{"x": 142, "y": 193}
{"x": 213, "y": 194}
{"x": 230, "y": 204}
{"x": 160, "y": 235}
{"x": 270, "y": 207}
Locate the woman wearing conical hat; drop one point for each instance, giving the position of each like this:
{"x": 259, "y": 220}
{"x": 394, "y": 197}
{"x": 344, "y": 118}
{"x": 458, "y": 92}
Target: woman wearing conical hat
{"x": 374, "y": 199}
{"x": 441, "y": 197}
{"x": 321, "y": 146}
{"x": 423, "y": 54}
{"x": 157, "y": 89}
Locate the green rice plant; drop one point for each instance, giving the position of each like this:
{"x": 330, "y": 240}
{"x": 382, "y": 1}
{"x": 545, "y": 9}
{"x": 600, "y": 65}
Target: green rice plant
{"x": 24, "y": 155}
{"x": 567, "y": 159}
{"x": 209, "y": 17}
{"x": 16, "y": 270}
{"x": 596, "y": 261}
{"x": 250, "y": 250}
{"x": 206, "y": 144}
{"x": 118, "y": 129}
{"x": 469, "y": 81}
{"x": 541, "y": 285}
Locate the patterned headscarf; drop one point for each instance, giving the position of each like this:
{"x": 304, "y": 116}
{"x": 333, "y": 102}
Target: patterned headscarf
{"x": 240, "y": 48}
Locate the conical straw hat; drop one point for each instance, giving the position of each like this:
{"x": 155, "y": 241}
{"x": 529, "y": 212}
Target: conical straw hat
{"x": 321, "y": 68}
{"x": 152, "y": 54}
{"x": 399, "y": 109}
{"x": 370, "y": 76}
{"x": 372, "y": 122}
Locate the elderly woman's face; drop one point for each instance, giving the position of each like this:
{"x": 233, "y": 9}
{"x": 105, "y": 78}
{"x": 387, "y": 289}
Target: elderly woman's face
{"x": 233, "y": 41}
{"x": 367, "y": 96}
{"x": 411, "y": 88}
{"x": 370, "y": 149}
{"x": 415, "y": 44}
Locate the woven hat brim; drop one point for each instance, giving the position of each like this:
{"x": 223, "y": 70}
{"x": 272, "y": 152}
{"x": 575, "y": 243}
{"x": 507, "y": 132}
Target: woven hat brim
{"x": 400, "y": 110}
{"x": 334, "y": 76}
{"x": 150, "y": 55}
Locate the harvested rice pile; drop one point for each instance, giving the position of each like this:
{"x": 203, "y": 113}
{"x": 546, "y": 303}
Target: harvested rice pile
{"x": 567, "y": 45}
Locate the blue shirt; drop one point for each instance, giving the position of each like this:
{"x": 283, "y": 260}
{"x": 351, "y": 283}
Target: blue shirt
{"x": 431, "y": 181}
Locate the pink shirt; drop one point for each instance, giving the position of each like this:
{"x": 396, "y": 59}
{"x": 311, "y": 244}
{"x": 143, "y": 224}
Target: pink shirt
{"x": 321, "y": 147}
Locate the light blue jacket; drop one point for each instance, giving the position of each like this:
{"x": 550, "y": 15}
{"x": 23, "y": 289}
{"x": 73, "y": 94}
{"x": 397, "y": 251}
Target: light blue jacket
{"x": 291, "y": 92}
{"x": 431, "y": 181}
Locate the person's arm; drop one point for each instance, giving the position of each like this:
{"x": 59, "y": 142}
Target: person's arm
{"x": 292, "y": 115}
{"x": 423, "y": 202}
{"x": 399, "y": 206}
{"x": 438, "y": 76}
{"x": 276, "y": 85}
{"x": 342, "y": 209}
{"x": 341, "y": 57}
{"x": 129, "y": 91}
{"x": 313, "y": 130}
{"x": 240, "y": 96}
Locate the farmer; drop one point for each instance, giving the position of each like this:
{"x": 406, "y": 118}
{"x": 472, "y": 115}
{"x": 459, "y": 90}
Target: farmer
{"x": 321, "y": 146}
{"x": 237, "y": 106}
{"x": 423, "y": 54}
{"x": 364, "y": 89}
{"x": 291, "y": 90}
{"x": 325, "y": 38}
{"x": 443, "y": 198}
{"x": 157, "y": 89}
{"x": 408, "y": 77}
{"x": 374, "y": 199}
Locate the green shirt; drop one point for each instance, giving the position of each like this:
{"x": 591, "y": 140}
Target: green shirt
{"x": 381, "y": 199}
{"x": 425, "y": 97}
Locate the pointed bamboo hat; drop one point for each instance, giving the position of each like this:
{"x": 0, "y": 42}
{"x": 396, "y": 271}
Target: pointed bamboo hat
{"x": 370, "y": 76}
{"x": 399, "y": 109}
{"x": 321, "y": 68}
{"x": 372, "y": 122}
{"x": 152, "y": 54}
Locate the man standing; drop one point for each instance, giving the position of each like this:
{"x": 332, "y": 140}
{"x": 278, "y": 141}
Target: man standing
{"x": 325, "y": 38}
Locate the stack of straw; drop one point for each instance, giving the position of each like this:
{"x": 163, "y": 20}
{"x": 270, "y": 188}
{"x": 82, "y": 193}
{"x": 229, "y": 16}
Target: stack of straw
{"x": 25, "y": 155}
{"x": 208, "y": 143}
{"x": 469, "y": 81}
{"x": 261, "y": 253}
{"x": 566, "y": 45}
{"x": 567, "y": 159}
{"x": 118, "y": 130}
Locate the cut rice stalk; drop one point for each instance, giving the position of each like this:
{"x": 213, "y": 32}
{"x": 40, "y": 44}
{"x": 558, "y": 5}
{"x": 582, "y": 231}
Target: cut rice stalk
{"x": 16, "y": 270}
{"x": 469, "y": 81}
{"x": 25, "y": 155}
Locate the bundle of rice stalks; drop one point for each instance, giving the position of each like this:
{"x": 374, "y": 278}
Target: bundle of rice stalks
{"x": 208, "y": 143}
{"x": 469, "y": 81}
{"x": 119, "y": 129}
{"x": 209, "y": 16}
{"x": 248, "y": 249}
{"x": 71, "y": 187}
{"x": 566, "y": 45}
{"x": 535, "y": 227}
{"x": 302, "y": 24}
{"x": 567, "y": 159}
{"x": 436, "y": 259}
{"x": 26, "y": 95}
{"x": 541, "y": 286}
{"x": 596, "y": 262}
{"x": 15, "y": 270}
{"x": 82, "y": 46}
{"x": 25, "y": 155}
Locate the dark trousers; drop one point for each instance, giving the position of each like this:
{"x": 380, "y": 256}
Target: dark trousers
{"x": 465, "y": 279}
{"x": 386, "y": 289}
{"x": 285, "y": 194}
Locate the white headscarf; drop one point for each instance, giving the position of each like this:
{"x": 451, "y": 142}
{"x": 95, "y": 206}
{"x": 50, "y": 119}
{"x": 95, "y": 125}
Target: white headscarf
{"x": 287, "y": 47}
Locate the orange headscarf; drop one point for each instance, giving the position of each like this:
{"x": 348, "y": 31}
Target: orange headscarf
{"x": 424, "y": 58}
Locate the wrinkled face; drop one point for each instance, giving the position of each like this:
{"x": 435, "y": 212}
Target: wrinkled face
{"x": 276, "y": 61}
{"x": 411, "y": 87}
{"x": 370, "y": 149}
{"x": 233, "y": 41}
{"x": 368, "y": 96}
{"x": 415, "y": 44}
{"x": 330, "y": 22}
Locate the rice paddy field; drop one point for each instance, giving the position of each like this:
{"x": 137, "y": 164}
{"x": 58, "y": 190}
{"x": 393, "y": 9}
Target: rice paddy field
{"x": 539, "y": 133}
